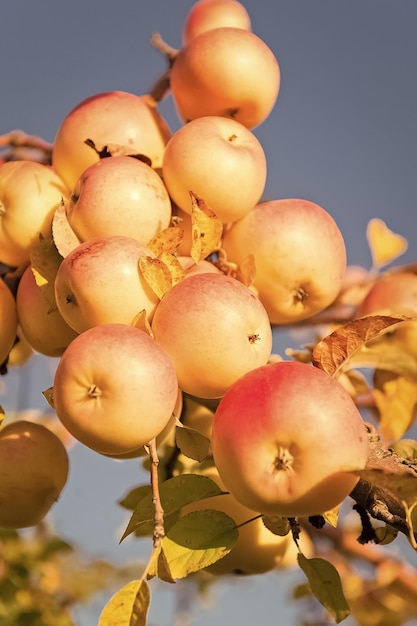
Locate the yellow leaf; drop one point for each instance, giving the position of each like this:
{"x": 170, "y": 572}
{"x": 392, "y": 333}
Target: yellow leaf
{"x": 332, "y": 516}
{"x": 246, "y": 272}
{"x": 385, "y": 245}
{"x": 141, "y": 322}
{"x": 44, "y": 261}
{"x": 396, "y": 399}
{"x": 64, "y": 237}
{"x": 174, "y": 266}
{"x": 206, "y": 227}
{"x": 167, "y": 240}
{"x": 156, "y": 274}
{"x": 128, "y": 607}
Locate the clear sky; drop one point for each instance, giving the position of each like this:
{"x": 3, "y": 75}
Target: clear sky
{"x": 343, "y": 134}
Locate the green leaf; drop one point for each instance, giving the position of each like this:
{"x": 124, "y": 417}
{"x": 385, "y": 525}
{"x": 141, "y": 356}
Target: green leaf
{"x": 159, "y": 567}
{"x": 198, "y": 540}
{"x": 174, "y": 493}
{"x": 325, "y": 583}
{"x": 134, "y": 496}
{"x": 192, "y": 443}
{"x": 128, "y": 607}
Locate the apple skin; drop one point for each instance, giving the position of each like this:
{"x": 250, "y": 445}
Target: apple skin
{"x": 299, "y": 252}
{"x": 285, "y": 438}
{"x": 208, "y": 14}
{"x": 120, "y": 195}
{"x": 99, "y": 282}
{"x": 108, "y": 118}
{"x": 41, "y": 324}
{"x": 225, "y": 71}
{"x": 33, "y": 471}
{"x": 218, "y": 159}
{"x": 8, "y": 321}
{"x": 114, "y": 388}
{"x": 214, "y": 329}
{"x": 30, "y": 192}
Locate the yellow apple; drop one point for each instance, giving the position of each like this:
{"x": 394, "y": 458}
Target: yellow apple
{"x": 109, "y": 118}
{"x": 33, "y": 471}
{"x": 100, "y": 282}
{"x": 214, "y": 330}
{"x": 190, "y": 267}
{"x": 299, "y": 253}
{"x": 207, "y": 14}
{"x": 114, "y": 388}
{"x": 29, "y": 195}
{"x": 218, "y": 159}
{"x": 225, "y": 71}
{"x": 8, "y": 321}
{"x": 119, "y": 195}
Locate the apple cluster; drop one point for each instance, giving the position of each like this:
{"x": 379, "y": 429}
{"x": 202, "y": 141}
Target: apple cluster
{"x": 150, "y": 264}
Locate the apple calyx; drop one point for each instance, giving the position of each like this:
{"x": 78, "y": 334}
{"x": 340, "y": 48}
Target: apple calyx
{"x": 254, "y": 338}
{"x": 300, "y": 295}
{"x": 284, "y": 461}
{"x": 94, "y": 391}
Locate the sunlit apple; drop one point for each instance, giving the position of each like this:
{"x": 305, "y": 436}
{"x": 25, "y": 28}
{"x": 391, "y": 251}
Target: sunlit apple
{"x": 8, "y": 321}
{"x": 207, "y": 14}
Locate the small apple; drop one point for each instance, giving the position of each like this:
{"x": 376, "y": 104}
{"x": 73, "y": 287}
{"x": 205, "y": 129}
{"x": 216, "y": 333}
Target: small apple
{"x": 8, "y": 321}
{"x": 225, "y": 71}
{"x": 99, "y": 282}
{"x": 33, "y": 471}
{"x": 119, "y": 195}
{"x": 287, "y": 438}
{"x": 110, "y": 118}
{"x": 214, "y": 329}
{"x": 299, "y": 253}
{"x": 207, "y": 14}
{"x": 218, "y": 159}
{"x": 114, "y": 388}
{"x": 29, "y": 195}
{"x": 190, "y": 267}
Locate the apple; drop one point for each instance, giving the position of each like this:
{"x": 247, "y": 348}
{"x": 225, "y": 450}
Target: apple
{"x": 30, "y": 192}
{"x": 299, "y": 253}
{"x": 190, "y": 267}
{"x": 225, "y": 71}
{"x": 197, "y": 415}
{"x": 114, "y": 388}
{"x": 110, "y": 118}
{"x": 119, "y": 195}
{"x": 99, "y": 282}
{"x": 8, "y": 321}
{"x": 40, "y": 321}
{"x": 218, "y": 159}
{"x": 207, "y": 14}
{"x": 214, "y": 330}
{"x": 287, "y": 439}
{"x": 33, "y": 471}
{"x": 21, "y": 351}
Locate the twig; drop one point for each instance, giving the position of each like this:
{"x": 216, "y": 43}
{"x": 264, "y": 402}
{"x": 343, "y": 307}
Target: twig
{"x": 159, "y": 529}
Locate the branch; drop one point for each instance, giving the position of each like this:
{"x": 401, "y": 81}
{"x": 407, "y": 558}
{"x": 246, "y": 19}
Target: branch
{"x": 159, "y": 529}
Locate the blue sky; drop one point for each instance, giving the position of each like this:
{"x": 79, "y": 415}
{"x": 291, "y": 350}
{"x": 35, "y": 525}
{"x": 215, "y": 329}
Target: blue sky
{"x": 343, "y": 134}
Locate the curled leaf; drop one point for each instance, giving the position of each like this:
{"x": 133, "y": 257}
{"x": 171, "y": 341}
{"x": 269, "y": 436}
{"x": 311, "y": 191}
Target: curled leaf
{"x": 276, "y": 524}
{"x": 128, "y": 607}
{"x": 156, "y": 274}
{"x": 64, "y": 237}
{"x": 167, "y": 240}
{"x": 192, "y": 443}
{"x": 206, "y": 228}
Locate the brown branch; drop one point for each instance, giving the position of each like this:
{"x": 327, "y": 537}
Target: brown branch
{"x": 17, "y": 145}
{"x": 159, "y": 529}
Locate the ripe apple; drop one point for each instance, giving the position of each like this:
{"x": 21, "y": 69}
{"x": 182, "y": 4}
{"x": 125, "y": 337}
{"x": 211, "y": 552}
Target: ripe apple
{"x": 191, "y": 267}
{"x": 109, "y": 118}
{"x": 8, "y": 321}
{"x": 197, "y": 416}
{"x": 214, "y": 329}
{"x": 33, "y": 471}
{"x": 29, "y": 195}
{"x": 41, "y": 323}
{"x": 299, "y": 254}
{"x": 208, "y": 14}
{"x": 257, "y": 549}
{"x": 218, "y": 159}
{"x": 114, "y": 388}
{"x": 120, "y": 195}
{"x": 225, "y": 71}
{"x": 286, "y": 437}
{"x": 100, "y": 282}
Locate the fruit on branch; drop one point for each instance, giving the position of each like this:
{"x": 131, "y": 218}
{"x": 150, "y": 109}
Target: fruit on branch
{"x": 30, "y": 192}
{"x": 33, "y": 471}
{"x": 226, "y": 71}
{"x": 100, "y": 282}
{"x": 191, "y": 267}
{"x": 299, "y": 253}
{"x": 218, "y": 159}
{"x": 214, "y": 329}
{"x": 286, "y": 438}
{"x": 197, "y": 416}
{"x": 208, "y": 14}
{"x": 116, "y": 118}
{"x": 41, "y": 324}
{"x": 119, "y": 195}
{"x": 8, "y": 321}
{"x": 114, "y": 388}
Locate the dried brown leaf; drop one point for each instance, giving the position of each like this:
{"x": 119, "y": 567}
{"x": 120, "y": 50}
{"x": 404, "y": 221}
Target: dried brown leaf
{"x": 207, "y": 229}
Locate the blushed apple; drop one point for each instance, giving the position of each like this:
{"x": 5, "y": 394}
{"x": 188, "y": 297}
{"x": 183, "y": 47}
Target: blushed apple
{"x": 207, "y": 14}
{"x": 287, "y": 439}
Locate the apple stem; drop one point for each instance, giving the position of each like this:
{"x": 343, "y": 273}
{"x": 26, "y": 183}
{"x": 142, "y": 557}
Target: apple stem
{"x": 159, "y": 529}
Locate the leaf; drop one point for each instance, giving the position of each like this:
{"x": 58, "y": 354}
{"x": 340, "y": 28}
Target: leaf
{"x": 396, "y": 400}
{"x": 128, "y": 607}
{"x": 405, "y": 448}
{"x": 175, "y": 268}
{"x": 198, "y": 540}
{"x": 141, "y": 321}
{"x": 325, "y": 583}
{"x": 175, "y": 493}
{"x": 131, "y": 499}
{"x": 156, "y": 274}
{"x": 385, "y": 245}
{"x": 45, "y": 261}
{"x": 64, "y": 237}
{"x": 206, "y": 229}
{"x": 246, "y": 272}
{"x": 332, "y": 516}
{"x": 277, "y": 524}
{"x": 48, "y": 394}
{"x": 332, "y": 353}
{"x": 158, "y": 566}
{"x": 192, "y": 443}
{"x": 167, "y": 240}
